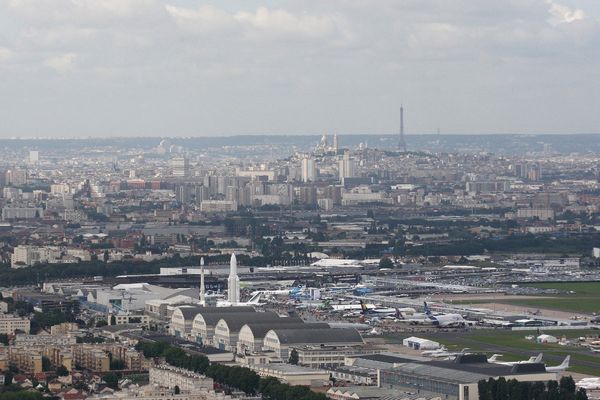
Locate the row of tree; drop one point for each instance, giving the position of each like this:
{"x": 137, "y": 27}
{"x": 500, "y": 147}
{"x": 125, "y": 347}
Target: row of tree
{"x": 501, "y": 389}
{"x": 230, "y": 377}
{"x": 579, "y": 244}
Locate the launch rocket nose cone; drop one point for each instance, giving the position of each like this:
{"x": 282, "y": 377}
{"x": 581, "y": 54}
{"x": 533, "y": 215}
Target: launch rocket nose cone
{"x": 202, "y": 261}
{"x": 233, "y": 259}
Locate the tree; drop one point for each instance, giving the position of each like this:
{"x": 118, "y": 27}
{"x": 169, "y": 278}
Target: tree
{"x": 101, "y": 323}
{"x": 553, "y": 392}
{"x": 581, "y": 394}
{"x": 62, "y": 371}
{"x": 112, "y": 380}
{"x": 386, "y": 263}
{"x": 116, "y": 364}
{"x": 46, "y": 364}
{"x": 106, "y": 256}
{"x": 113, "y": 320}
{"x": 567, "y": 386}
{"x": 293, "y": 357}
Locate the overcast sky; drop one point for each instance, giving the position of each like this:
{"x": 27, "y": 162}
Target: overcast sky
{"x": 196, "y": 68}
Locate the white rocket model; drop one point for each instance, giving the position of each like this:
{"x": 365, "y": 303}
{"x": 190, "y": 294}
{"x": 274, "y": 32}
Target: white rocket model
{"x": 202, "y": 290}
{"x": 233, "y": 282}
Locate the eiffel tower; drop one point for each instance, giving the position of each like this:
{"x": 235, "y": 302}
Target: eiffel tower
{"x": 402, "y": 142}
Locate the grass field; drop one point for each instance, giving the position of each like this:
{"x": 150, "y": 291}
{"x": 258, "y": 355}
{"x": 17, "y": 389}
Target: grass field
{"x": 513, "y": 346}
{"x": 583, "y": 297}
{"x": 580, "y": 297}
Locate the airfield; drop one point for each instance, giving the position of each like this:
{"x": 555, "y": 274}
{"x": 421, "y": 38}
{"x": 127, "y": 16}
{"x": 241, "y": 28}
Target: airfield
{"x": 514, "y": 347}
{"x": 572, "y": 299}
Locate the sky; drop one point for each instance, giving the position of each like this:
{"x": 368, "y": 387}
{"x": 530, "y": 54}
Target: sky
{"x": 98, "y": 68}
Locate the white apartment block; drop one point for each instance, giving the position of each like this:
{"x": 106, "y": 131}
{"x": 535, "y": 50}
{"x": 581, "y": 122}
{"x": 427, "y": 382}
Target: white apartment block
{"x": 169, "y": 377}
{"x": 26, "y": 256}
{"x": 9, "y": 324}
{"x": 22, "y": 213}
{"x": 217, "y": 206}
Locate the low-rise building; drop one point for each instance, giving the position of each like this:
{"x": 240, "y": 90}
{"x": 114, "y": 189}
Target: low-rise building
{"x": 293, "y": 375}
{"x": 280, "y": 341}
{"x": 170, "y": 377}
{"x": 91, "y": 357}
{"x": 457, "y": 380}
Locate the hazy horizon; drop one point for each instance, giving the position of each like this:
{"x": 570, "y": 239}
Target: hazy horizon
{"x": 183, "y": 68}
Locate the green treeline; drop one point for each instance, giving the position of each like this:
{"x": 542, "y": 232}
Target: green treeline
{"x": 522, "y": 244}
{"x": 232, "y": 377}
{"x": 21, "y": 395}
{"x": 501, "y": 389}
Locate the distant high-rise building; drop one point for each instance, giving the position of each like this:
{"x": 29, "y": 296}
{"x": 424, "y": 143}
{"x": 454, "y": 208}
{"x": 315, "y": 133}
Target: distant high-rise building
{"x": 402, "y": 141}
{"x": 16, "y": 177}
{"x": 308, "y": 195}
{"x": 335, "y": 143}
{"x": 34, "y": 157}
{"x": 346, "y": 167}
{"x": 309, "y": 171}
{"x": 180, "y": 167}
{"x": 183, "y": 194}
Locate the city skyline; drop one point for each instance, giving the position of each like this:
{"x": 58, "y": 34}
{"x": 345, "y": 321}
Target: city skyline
{"x": 183, "y": 68}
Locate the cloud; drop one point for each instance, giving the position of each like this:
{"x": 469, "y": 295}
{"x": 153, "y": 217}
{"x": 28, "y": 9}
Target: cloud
{"x": 5, "y": 54}
{"x": 80, "y": 11}
{"x": 61, "y": 63}
{"x": 263, "y": 23}
{"x": 340, "y": 61}
{"x": 282, "y": 23}
{"x": 560, "y": 14}
{"x": 204, "y": 19}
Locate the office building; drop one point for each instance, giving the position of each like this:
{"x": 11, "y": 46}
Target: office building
{"x": 180, "y": 167}
{"x": 309, "y": 171}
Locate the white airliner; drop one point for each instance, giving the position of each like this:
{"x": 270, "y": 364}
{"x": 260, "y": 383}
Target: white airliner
{"x": 562, "y": 367}
{"x": 445, "y": 320}
{"x": 254, "y": 301}
{"x": 589, "y": 383}
{"x": 443, "y": 352}
{"x": 533, "y": 359}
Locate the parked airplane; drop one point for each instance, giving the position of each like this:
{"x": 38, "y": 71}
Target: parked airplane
{"x": 378, "y": 311}
{"x": 254, "y": 301}
{"x": 445, "y": 320}
{"x": 282, "y": 292}
{"x": 443, "y": 352}
{"x": 562, "y": 367}
{"x": 589, "y": 383}
{"x": 533, "y": 359}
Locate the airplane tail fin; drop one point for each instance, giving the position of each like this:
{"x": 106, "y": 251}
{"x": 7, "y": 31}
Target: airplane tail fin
{"x": 427, "y": 309}
{"x": 566, "y": 362}
{"x": 494, "y": 357}
{"x": 538, "y": 358}
{"x": 399, "y": 314}
{"x": 363, "y": 307}
{"x": 255, "y": 299}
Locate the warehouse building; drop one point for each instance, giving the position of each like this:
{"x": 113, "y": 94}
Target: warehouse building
{"x": 181, "y": 320}
{"x": 417, "y": 343}
{"x": 457, "y": 380}
{"x": 293, "y": 375}
{"x": 280, "y": 341}
{"x": 228, "y": 327}
{"x": 204, "y": 322}
{"x": 252, "y": 335}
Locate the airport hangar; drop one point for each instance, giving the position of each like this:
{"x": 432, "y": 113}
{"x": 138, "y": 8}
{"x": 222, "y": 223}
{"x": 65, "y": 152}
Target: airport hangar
{"x": 182, "y": 320}
{"x": 252, "y": 335}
